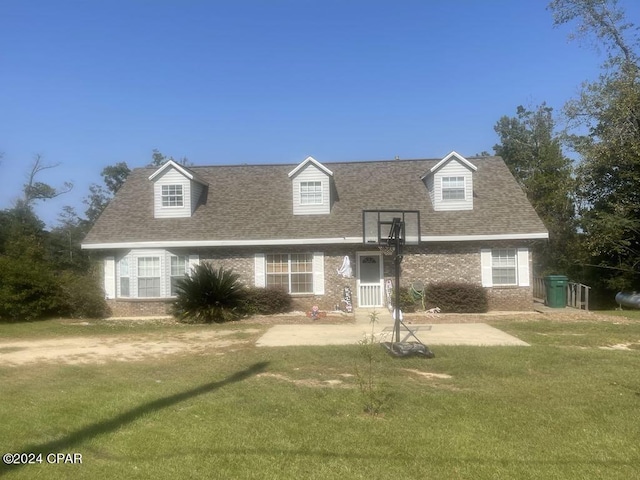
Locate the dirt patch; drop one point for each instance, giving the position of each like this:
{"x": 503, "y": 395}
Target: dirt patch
{"x": 299, "y": 318}
{"x": 428, "y": 374}
{"x": 622, "y": 346}
{"x": 79, "y": 350}
{"x": 562, "y": 315}
{"x": 306, "y": 382}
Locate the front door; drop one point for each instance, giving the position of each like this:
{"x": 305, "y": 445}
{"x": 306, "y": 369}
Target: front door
{"x": 370, "y": 279}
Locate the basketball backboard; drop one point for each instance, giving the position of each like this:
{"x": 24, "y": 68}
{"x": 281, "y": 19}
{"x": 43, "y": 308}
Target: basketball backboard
{"x": 378, "y": 225}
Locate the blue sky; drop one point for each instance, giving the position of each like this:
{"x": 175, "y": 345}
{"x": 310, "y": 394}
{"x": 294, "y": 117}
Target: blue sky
{"x": 87, "y": 84}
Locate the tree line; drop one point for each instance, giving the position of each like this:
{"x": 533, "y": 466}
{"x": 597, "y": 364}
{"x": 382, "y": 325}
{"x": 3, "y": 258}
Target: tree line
{"x": 590, "y": 204}
{"x": 45, "y": 272}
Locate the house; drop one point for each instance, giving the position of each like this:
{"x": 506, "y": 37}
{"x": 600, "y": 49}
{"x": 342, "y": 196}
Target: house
{"x": 293, "y": 226}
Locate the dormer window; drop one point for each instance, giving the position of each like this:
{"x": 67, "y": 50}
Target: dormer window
{"x": 172, "y": 196}
{"x": 311, "y": 188}
{"x": 450, "y": 183}
{"x": 176, "y": 191}
{"x": 452, "y": 188}
{"x": 311, "y": 193}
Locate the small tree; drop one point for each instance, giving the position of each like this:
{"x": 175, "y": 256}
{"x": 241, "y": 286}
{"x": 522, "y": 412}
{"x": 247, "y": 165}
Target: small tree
{"x": 209, "y": 295}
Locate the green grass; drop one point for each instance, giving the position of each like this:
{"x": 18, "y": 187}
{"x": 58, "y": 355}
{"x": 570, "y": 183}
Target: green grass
{"x": 562, "y": 408}
{"x": 630, "y": 314}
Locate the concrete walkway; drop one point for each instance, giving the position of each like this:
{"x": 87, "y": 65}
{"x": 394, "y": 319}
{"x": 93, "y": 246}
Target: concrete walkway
{"x": 437, "y": 334}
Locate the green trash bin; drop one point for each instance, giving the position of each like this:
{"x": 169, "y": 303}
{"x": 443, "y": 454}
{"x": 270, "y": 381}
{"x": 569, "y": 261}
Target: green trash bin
{"x": 556, "y": 288}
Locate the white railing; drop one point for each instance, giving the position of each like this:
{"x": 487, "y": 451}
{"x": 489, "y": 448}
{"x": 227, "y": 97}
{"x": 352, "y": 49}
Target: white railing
{"x": 539, "y": 291}
{"x": 578, "y": 296}
{"x": 369, "y": 296}
{"x": 577, "y": 293}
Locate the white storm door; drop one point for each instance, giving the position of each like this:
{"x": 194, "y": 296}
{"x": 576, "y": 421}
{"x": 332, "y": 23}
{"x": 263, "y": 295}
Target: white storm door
{"x": 370, "y": 279}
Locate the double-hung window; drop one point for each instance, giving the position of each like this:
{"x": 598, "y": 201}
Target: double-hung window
{"x": 311, "y": 193}
{"x": 125, "y": 281}
{"x": 292, "y": 272}
{"x": 452, "y": 188}
{"x": 172, "y": 196}
{"x": 504, "y": 266}
{"x": 148, "y": 277}
{"x": 178, "y": 271}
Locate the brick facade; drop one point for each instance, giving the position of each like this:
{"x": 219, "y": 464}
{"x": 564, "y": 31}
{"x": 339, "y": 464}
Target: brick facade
{"x": 139, "y": 307}
{"x": 242, "y": 262}
{"x": 460, "y": 262}
{"x": 438, "y": 262}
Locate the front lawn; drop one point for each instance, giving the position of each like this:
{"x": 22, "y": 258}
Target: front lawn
{"x": 562, "y": 408}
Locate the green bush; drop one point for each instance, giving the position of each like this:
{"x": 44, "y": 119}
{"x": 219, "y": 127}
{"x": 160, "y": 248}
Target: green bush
{"x": 209, "y": 295}
{"x": 266, "y": 301}
{"x": 28, "y": 289}
{"x": 82, "y": 296}
{"x": 453, "y": 297}
{"x": 408, "y": 304}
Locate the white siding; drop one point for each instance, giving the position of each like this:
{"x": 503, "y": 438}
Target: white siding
{"x": 453, "y": 168}
{"x": 196, "y": 192}
{"x": 194, "y": 260}
{"x": 430, "y": 183}
{"x": 110, "y": 277}
{"x": 172, "y": 177}
{"x": 311, "y": 173}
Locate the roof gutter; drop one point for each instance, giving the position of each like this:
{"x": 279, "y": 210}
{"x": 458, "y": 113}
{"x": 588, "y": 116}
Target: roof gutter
{"x": 302, "y": 241}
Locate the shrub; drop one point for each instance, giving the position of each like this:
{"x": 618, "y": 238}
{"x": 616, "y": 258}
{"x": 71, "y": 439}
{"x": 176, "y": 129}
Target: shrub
{"x": 28, "y": 289}
{"x": 82, "y": 296}
{"x": 408, "y": 303}
{"x": 266, "y": 301}
{"x": 453, "y": 297}
{"x": 209, "y": 295}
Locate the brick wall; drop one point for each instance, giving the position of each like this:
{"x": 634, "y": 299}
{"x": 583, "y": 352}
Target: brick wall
{"x": 459, "y": 262}
{"x": 139, "y": 308}
{"x": 242, "y": 261}
{"x": 441, "y": 262}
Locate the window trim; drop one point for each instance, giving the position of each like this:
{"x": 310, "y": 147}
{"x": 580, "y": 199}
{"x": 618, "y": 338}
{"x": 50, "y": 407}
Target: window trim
{"x": 149, "y": 277}
{"x": 124, "y": 272}
{"x": 309, "y": 275}
{"x": 173, "y": 277}
{"x": 523, "y": 267}
{"x": 449, "y": 189}
{"x": 167, "y": 197}
{"x": 317, "y": 194}
{"x": 511, "y": 256}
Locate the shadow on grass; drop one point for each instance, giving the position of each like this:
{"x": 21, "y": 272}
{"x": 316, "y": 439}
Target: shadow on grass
{"x": 75, "y": 438}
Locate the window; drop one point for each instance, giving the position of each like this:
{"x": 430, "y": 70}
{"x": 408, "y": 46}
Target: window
{"x": 293, "y": 272}
{"x": 125, "y": 283}
{"x": 503, "y": 266}
{"x": 148, "y": 277}
{"x": 172, "y": 196}
{"x": 452, "y": 188}
{"x": 311, "y": 193}
{"x": 178, "y": 271}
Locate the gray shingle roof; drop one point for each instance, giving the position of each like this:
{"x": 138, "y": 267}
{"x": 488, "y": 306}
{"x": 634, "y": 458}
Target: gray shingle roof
{"x": 254, "y": 202}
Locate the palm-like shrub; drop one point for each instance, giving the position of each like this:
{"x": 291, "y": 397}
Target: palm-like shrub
{"x": 209, "y": 295}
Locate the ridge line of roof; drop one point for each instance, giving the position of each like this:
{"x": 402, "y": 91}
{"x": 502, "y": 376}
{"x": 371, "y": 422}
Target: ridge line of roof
{"x": 342, "y": 162}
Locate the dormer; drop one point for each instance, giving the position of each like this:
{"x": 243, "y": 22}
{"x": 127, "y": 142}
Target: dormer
{"x": 176, "y": 191}
{"x": 450, "y": 183}
{"x": 311, "y": 184}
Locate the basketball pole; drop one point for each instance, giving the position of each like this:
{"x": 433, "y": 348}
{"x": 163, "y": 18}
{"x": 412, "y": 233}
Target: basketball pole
{"x": 396, "y": 231}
